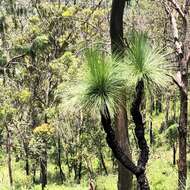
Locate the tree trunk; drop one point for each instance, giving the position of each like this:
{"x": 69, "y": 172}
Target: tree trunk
{"x": 116, "y": 34}
{"x": 124, "y": 175}
{"x": 139, "y": 170}
{"x": 159, "y": 105}
{"x": 43, "y": 169}
{"x": 183, "y": 65}
{"x": 174, "y": 154}
{"x": 182, "y": 167}
{"x": 27, "y": 168}
{"x": 139, "y": 132}
{"x": 9, "y": 158}
{"x": 79, "y": 170}
{"x": 167, "y": 110}
{"x": 61, "y": 173}
{"x": 150, "y": 122}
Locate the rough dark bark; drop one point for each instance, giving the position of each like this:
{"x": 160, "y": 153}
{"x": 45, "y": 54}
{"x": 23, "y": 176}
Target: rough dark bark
{"x": 43, "y": 169}
{"x": 139, "y": 132}
{"x": 116, "y": 27}
{"x": 139, "y": 170}
{"x": 27, "y": 167}
{"x": 174, "y": 154}
{"x": 150, "y": 122}
{"x": 117, "y": 46}
{"x": 59, "y": 163}
{"x": 182, "y": 167}
{"x": 9, "y": 157}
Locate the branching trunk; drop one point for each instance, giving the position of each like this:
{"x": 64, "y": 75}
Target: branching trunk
{"x": 138, "y": 171}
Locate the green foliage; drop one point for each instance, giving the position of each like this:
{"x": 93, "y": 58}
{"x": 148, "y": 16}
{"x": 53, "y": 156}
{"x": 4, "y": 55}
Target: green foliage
{"x": 24, "y": 95}
{"x": 40, "y": 43}
{"x": 162, "y": 175}
{"x": 3, "y": 58}
{"x": 172, "y": 134}
{"x": 147, "y": 63}
{"x": 101, "y": 84}
{"x": 106, "y": 182}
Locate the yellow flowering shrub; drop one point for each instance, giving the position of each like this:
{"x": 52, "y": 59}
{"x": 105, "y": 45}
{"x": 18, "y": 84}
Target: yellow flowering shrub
{"x": 69, "y": 12}
{"x": 44, "y": 129}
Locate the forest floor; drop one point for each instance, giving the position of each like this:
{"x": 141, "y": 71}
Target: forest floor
{"x": 161, "y": 173}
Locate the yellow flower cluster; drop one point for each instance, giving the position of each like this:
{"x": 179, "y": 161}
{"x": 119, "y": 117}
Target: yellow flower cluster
{"x": 69, "y": 12}
{"x": 45, "y": 129}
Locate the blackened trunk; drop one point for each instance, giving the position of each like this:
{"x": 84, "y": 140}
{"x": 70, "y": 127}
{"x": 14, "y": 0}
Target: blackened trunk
{"x": 27, "y": 168}
{"x": 116, "y": 27}
{"x": 79, "y": 170}
{"x": 174, "y": 154}
{"x": 43, "y": 169}
{"x": 120, "y": 155}
{"x": 139, "y": 132}
{"x": 59, "y": 163}
{"x": 150, "y": 122}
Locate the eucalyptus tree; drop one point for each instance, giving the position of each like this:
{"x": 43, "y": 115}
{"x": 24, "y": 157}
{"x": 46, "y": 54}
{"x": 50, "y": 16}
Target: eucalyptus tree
{"x": 176, "y": 11}
{"x": 103, "y": 82}
{"x": 118, "y": 47}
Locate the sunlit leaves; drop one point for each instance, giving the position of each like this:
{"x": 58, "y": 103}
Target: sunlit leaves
{"x": 44, "y": 129}
{"x": 145, "y": 62}
{"x": 40, "y": 43}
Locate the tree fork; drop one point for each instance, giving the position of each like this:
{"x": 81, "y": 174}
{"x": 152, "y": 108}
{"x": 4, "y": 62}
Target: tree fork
{"x": 138, "y": 170}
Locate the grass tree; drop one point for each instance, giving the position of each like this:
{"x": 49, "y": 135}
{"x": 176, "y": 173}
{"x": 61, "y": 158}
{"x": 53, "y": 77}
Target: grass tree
{"x": 145, "y": 68}
{"x": 101, "y": 87}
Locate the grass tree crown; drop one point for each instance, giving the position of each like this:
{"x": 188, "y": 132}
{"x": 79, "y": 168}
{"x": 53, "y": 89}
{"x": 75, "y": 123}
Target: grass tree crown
{"x": 104, "y": 78}
{"x": 144, "y": 62}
